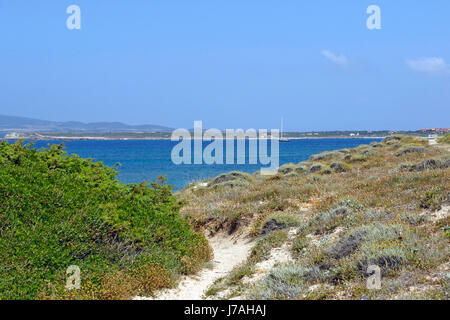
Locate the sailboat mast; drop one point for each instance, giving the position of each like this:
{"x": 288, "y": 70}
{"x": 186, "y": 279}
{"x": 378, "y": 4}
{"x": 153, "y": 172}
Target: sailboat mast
{"x": 281, "y": 139}
{"x": 281, "y": 128}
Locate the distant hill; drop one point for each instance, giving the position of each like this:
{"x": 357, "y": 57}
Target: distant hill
{"x": 12, "y": 123}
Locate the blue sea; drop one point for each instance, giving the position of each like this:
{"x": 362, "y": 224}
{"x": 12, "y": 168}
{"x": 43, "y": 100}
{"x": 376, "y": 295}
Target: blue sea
{"x": 144, "y": 160}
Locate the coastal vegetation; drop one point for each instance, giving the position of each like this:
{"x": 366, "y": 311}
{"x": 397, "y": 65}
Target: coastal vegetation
{"x": 444, "y": 139}
{"x": 58, "y": 210}
{"x": 316, "y": 226}
{"x": 331, "y": 217}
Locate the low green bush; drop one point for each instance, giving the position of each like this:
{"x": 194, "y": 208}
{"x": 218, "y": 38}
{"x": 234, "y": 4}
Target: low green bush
{"x": 410, "y": 149}
{"x": 58, "y": 210}
{"x": 429, "y": 164}
{"x": 372, "y": 244}
{"x": 287, "y": 168}
{"x": 316, "y": 167}
{"x": 340, "y": 167}
{"x": 327, "y": 155}
{"x": 283, "y": 282}
{"x": 444, "y": 139}
{"x": 231, "y": 176}
{"x": 279, "y": 221}
{"x": 403, "y": 139}
{"x": 341, "y": 215}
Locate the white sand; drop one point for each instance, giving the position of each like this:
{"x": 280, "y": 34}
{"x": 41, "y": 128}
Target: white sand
{"x": 228, "y": 253}
{"x": 441, "y": 214}
{"x": 277, "y": 255}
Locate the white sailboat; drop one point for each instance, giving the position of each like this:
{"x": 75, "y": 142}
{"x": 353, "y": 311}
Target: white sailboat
{"x": 281, "y": 139}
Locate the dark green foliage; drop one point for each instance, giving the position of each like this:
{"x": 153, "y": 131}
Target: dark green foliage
{"x": 234, "y": 176}
{"x": 346, "y": 245}
{"x": 287, "y": 168}
{"x": 278, "y": 222}
{"x": 410, "y": 149}
{"x": 315, "y": 168}
{"x": 340, "y": 167}
{"x": 444, "y": 139}
{"x": 432, "y": 199}
{"x": 429, "y": 164}
{"x": 58, "y": 210}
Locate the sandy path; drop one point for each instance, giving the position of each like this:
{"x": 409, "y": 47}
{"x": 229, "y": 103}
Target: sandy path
{"x": 277, "y": 255}
{"x": 228, "y": 253}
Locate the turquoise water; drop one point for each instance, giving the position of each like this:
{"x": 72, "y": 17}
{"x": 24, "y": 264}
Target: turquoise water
{"x": 146, "y": 159}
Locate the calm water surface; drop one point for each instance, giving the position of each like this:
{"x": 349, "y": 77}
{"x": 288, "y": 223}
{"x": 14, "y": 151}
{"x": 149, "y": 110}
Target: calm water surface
{"x": 146, "y": 159}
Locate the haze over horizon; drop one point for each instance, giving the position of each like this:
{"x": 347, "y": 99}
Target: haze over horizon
{"x": 231, "y": 64}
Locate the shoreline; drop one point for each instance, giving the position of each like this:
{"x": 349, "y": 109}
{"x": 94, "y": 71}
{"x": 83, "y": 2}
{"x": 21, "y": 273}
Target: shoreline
{"x": 167, "y": 138}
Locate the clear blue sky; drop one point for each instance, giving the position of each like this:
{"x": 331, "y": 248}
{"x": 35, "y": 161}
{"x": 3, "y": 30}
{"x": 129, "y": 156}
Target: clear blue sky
{"x": 232, "y": 64}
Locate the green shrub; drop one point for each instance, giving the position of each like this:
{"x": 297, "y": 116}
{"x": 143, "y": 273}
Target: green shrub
{"x": 346, "y": 245}
{"x": 314, "y": 179}
{"x": 326, "y": 170}
{"x": 355, "y": 158}
{"x": 284, "y": 282}
{"x": 413, "y": 219}
{"x": 340, "y": 167}
{"x": 351, "y": 203}
{"x": 393, "y": 139}
{"x": 410, "y": 149}
{"x": 444, "y": 139}
{"x": 279, "y": 221}
{"x": 58, "y": 210}
{"x": 432, "y": 199}
{"x": 429, "y": 164}
{"x": 301, "y": 169}
{"x": 291, "y": 175}
{"x": 316, "y": 167}
{"x": 300, "y": 245}
{"x": 403, "y": 139}
{"x": 231, "y": 176}
{"x": 261, "y": 249}
{"x": 376, "y": 145}
{"x": 287, "y": 168}
{"x": 369, "y": 153}
{"x": 328, "y": 221}
{"x": 238, "y": 183}
{"x": 387, "y": 259}
{"x": 327, "y": 155}
{"x": 379, "y": 244}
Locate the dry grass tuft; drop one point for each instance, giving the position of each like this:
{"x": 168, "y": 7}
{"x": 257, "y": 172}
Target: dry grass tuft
{"x": 361, "y": 206}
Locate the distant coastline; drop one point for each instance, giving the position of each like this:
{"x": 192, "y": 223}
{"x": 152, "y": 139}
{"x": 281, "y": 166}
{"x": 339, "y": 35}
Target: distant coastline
{"x": 162, "y": 136}
{"x": 14, "y": 128}
{"x": 168, "y": 138}
{"x": 167, "y": 135}
{"x": 37, "y": 136}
